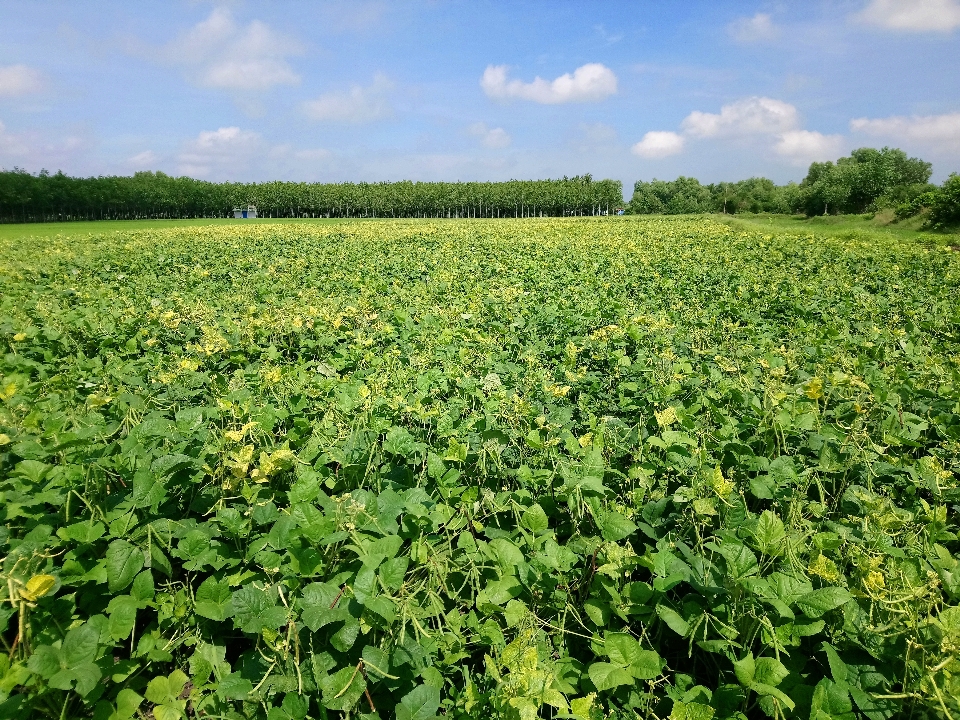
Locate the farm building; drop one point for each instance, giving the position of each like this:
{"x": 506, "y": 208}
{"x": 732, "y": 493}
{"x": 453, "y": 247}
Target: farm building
{"x": 250, "y": 211}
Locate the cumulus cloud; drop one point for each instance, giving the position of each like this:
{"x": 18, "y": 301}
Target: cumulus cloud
{"x": 219, "y": 53}
{"x": 659, "y": 144}
{"x": 231, "y": 153}
{"x": 912, "y": 16}
{"x": 939, "y": 131}
{"x": 750, "y": 116}
{"x": 588, "y": 83}
{"x": 494, "y": 138}
{"x": 16, "y": 80}
{"x": 756, "y": 29}
{"x": 802, "y": 147}
{"x": 227, "y": 148}
{"x": 358, "y": 105}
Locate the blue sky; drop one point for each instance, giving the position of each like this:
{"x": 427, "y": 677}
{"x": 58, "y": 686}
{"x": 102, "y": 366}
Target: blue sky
{"x": 475, "y": 90}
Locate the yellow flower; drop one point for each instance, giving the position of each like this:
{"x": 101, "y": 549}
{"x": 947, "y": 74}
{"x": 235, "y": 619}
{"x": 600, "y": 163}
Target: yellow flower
{"x": 874, "y": 581}
{"x": 666, "y": 417}
{"x": 824, "y": 567}
{"x": 20, "y": 337}
{"x": 814, "y": 388}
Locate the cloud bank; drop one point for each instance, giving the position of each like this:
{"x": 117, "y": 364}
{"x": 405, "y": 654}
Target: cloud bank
{"x": 912, "y": 15}
{"x": 17, "y": 80}
{"x": 219, "y": 53}
{"x": 757, "y": 29}
{"x": 358, "y": 105}
{"x": 941, "y": 132}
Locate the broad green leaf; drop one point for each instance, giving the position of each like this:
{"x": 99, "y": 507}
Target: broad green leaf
{"x": 615, "y": 527}
{"x": 819, "y": 602}
{"x": 831, "y": 701}
{"x": 255, "y": 610}
{"x": 421, "y": 703}
{"x": 79, "y": 646}
{"x": 674, "y": 620}
{"x": 769, "y": 534}
{"x": 342, "y": 689}
{"x": 392, "y": 572}
{"x": 234, "y": 687}
{"x": 213, "y": 599}
{"x": 122, "y": 612}
{"x": 606, "y": 676}
{"x": 535, "y": 519}
{"x": 124, "y": 561}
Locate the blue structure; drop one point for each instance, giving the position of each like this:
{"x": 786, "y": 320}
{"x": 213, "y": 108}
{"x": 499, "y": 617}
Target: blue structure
{"x": 250, "y": 211}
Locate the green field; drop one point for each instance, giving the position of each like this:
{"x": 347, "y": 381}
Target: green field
{"x": 592, "y": 468}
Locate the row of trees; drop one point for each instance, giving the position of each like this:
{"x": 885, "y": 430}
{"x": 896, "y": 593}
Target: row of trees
{"x": 53, "y": 197}
{"x": 866, "y": 181}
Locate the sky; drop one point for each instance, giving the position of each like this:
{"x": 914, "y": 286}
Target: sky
{"x": 369, "y": 90}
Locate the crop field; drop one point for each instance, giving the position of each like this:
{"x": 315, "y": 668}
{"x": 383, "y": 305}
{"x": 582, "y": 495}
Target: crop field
{"x": 559, "y": 468}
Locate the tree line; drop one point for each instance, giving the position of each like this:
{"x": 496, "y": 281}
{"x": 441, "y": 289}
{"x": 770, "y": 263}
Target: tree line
{"x": 867, "y": 180}
{"x": 47, "y": 197}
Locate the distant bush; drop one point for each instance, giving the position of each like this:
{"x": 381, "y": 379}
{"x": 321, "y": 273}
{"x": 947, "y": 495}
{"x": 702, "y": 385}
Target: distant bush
{"x": 945, "y": 204}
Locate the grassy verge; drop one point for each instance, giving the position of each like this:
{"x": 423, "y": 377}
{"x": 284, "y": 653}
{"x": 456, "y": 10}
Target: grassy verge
{"x": 879, "y": 225}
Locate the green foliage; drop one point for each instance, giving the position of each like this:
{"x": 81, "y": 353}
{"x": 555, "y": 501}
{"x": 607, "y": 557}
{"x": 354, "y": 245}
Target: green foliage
{"x": 868, "y": 178}
{"x": 944, "y": 204}
{"x": 49, "y": 198}
{"x": 582, "y": 467}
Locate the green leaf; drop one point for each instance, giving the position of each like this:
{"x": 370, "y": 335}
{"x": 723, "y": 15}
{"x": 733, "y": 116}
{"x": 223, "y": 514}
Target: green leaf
{"x": 691, "y": 711}
{"x": 606, "y": 676}
{"x": 393, "y": 571}
{"x": 769, "y": 534}
{"x": 234, "y": 687}
{"x": 213, "y": 599}
{"x": 79, "y": 646}
{"x": 342, "y": 689}
{"x": 831, "y": 702}
{"x": 382, "y": 606}
{"x": 421, "y": 703}
{"x": 624, "y": 650}
{"x": 124, "y": 561}
{"x": 769, "y": 671}
{"x": 673, "y": 620}
{"x": 614, "y": 527}
{"x": 819, "y": 602}
{"x": 128, "y": 702}
{"x": 256, "y": 610}
{"x": 122, "y": 612}
{"x": 83, "y": 533}
{"x": 535, "y": 519}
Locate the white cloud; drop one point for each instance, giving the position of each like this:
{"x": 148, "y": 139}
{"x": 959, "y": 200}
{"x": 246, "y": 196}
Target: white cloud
{"x": 912, "y": 15}
{"x": 18, "y": 80}
{"x": 225, "y": 149}
{"x": 219, "y": 53}
{"x": 231, "y": 153}
{"x": 494, "y": 138}
{"x": 759, "y": 28}
{"x": 360, "y": 104}
{"x": 588, "y": 83}
{"x": 939, "y": 131}
{"x": 146, "y": 160}
{"x": 750, "y": 116}
{"x": 659, "y": 144}
{"x": 802, "y": 147}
